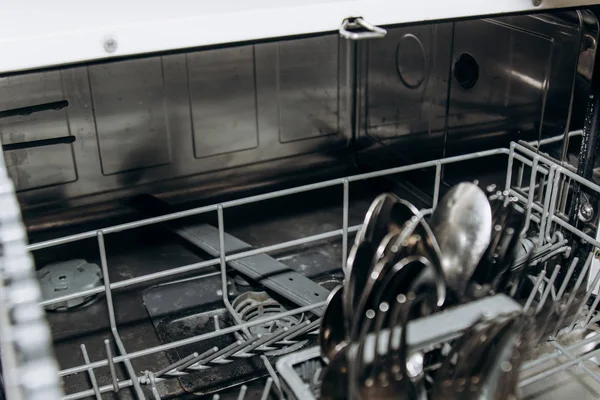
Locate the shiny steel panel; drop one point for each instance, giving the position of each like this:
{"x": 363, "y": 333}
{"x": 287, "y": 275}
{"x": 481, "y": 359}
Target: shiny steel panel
{"x": 30, "y": 168}
{"x": 29, "y": 90}
{"x": 129, "y": 114}
{"x": 224, "y": 119}
{"x": 308, "y": 88}
{"x": 519, "y": 82}
{"x": 407, "y": 81}
{"x": 222, "y": 100}
{"x": 208, "y": 122}
{"x": 526, "y": 67}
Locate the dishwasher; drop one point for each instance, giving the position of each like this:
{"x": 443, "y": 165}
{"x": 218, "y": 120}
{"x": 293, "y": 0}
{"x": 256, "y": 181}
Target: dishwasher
{"x": 179, "y": 220}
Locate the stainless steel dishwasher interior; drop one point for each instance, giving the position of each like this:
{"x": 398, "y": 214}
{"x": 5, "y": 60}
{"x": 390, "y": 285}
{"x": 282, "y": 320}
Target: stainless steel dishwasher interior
{"x": 95, "y": 145}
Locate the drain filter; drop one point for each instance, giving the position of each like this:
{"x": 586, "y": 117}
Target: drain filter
{"x": 68, "y": 277}
{"x": 251, "y": 306}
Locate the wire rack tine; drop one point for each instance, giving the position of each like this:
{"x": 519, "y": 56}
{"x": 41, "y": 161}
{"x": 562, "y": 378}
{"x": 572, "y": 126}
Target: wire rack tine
{"x": 111, "y": 365}
{"x": 176, "y": 364}
{"x": 222, "y": 257}
{"x": 567, "y": 278}
{"x": 152, "y": 379}
{"x": 572, "y": 297}
{"x": 534, "y": 171}
{"x": 307, "y": 328}
{"x": 240, "y": 348}
{"x": 549, "y": 287}
{"x": 557, "y": 301}
{"x": 272, "y": 372}
{"x": 273, "y": 339}
{"x": 224, "y": 350}
{"x": 346, "y": 206}
{"x": 197, "y": 359}
{"x": 536, "y": 286}
{"x": 112, "y": 319}
{"x": 547, "y": 198}
{"x": 267, "y": 389}
{"x": 436, "y": 184}
{"x": 242, "y": 393}
{"x": 91, "y": 374}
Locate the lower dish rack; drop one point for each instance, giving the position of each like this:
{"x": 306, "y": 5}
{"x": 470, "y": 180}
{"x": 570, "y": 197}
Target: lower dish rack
{"x": 539, "y": 184}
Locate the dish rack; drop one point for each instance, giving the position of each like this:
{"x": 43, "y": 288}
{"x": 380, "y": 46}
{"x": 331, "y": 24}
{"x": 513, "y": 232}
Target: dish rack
{"x": 542, "y": 198}
{"x": 542, "y": 188}
{"x": 538, "y": 182}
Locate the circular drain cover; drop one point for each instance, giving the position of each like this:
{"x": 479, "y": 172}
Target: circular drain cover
{"x": 251, "y": 306}
{"x": 68, "y": 277}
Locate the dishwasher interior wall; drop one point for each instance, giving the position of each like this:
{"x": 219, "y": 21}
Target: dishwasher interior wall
{"x": 222, "y": 120}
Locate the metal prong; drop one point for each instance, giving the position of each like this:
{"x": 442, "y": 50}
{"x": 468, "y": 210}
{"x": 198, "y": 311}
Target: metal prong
{"x": 224, "y": 350}
{"x": 234, "y": 350}
{"x": 194, "y": 360}
{"x": 538, "y": 282}
{"x": 308, "y": 326}
{"x": 243, "y": 391}
{"x": 346, "y": 202}
{"x": 86, "y": 358}
{"x": 585, "y": 298}
{"x": 267, "y": 389}
{"x": 272, "y": 373}
{"x": 563, "y": 287}
{"x": 559, "y": 295}
{"x": 549, "y": 287}
{"x": 111, "y": 365}
{"x": 275, "y": 337}
{"x": 580, "y": 278}
{"x": 216, "y": 397}
{"x": 153, "y": 385}
{"x": 175, "y": 365}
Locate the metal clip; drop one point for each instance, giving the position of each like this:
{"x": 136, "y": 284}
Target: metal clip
{"x": 373, "y": 32}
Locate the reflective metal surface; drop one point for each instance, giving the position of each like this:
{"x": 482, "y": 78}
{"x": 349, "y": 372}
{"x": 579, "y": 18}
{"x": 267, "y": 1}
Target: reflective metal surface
{"x": 452, "y": 87}
{"x": 139, "y": 126}
{"x": 332, "y": 331}
{"x": 462, "y": 225}
{"x": 128, "y": 103}
{"x": 208, "y": 122}
{"x": 406, "y": 82}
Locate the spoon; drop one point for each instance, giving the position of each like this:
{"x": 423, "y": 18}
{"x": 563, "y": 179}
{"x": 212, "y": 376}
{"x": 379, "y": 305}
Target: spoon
{"x": 332, "y": 333}
{"x": 334, "y": 380}
{"x": 462, "y": 225}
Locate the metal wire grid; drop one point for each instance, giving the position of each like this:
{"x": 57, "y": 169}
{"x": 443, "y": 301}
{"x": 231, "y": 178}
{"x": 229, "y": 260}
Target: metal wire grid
{"x": 539, "y": 198}
{"x": 543, "y": 197}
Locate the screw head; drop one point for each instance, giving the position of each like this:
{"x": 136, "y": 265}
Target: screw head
{"x": 110, "y": 45}
{"x": 537, "y": 3}
{"x": 586, "y": 212}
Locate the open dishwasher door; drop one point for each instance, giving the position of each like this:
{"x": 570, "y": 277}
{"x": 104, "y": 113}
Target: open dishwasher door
{"x": 191, "y": 208}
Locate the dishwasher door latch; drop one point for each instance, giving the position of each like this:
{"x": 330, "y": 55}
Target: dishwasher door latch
{"x": 359, "y": 29}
